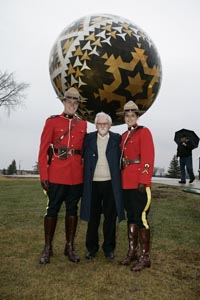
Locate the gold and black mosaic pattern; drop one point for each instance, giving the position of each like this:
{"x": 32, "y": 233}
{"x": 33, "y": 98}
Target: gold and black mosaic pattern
{"x": 110, "y": 61}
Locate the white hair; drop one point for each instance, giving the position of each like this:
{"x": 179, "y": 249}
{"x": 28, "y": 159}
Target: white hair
{"x": 102, "y": 114}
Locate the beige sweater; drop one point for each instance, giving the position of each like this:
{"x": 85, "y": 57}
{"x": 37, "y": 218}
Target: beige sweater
{"x": 102, "y": 171}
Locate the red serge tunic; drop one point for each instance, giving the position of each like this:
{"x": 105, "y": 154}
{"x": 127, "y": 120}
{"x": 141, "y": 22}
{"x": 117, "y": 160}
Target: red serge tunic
{"x": 139, "y": 146}
{"x": 70, "y": 170}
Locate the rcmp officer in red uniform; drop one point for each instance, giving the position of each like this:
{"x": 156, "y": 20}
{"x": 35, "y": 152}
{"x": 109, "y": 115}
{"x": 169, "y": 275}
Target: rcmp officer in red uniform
{"x": 61, "y": 171}
{"x": 137, "y": 163}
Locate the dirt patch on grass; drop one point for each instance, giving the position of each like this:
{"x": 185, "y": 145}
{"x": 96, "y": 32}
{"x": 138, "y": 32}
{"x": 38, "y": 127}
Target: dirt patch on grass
{"x": 165, "y": 191}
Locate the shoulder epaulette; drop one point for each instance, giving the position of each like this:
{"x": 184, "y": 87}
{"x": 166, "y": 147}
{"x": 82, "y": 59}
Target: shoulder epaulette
{"x": 53, "y": 116}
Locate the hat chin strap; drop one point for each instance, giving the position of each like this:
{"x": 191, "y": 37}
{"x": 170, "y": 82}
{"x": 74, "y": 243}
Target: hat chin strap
{"x": 131, "y": 110}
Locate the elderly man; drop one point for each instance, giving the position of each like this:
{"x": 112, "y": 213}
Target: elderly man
{"x": 61, "y": 171}
{"x": 102, "y": 186}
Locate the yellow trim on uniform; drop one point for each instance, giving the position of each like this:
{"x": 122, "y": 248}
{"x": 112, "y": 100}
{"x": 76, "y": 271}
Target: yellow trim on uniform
{"x": 144, "y": 218}
{"x": 47, "y": 201}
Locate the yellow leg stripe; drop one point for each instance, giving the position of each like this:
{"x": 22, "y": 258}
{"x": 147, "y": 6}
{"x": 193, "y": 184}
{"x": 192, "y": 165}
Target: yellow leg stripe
{"x": 47, "y": 201}
{"x": 144, "y": 217}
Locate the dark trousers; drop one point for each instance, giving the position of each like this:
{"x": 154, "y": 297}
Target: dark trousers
{"x": 186, "y": 162}
{"x": 137, "y": 206}
{"x": 59, "y": 193}
{"x": 102, "y": 201}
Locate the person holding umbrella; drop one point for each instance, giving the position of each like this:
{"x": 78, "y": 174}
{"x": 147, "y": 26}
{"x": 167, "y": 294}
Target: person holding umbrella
{"x": 184, "y": 152}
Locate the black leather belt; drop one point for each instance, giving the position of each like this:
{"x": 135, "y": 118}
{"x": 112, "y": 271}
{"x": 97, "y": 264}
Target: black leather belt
{"x": 70, "y": 151}
{"x": 126, "y": 162}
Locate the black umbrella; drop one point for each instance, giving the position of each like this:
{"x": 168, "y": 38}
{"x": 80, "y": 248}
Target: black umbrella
{"x": 190, "y": 134}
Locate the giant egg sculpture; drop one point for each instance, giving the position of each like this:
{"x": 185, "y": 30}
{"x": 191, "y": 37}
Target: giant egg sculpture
{"x": 110, "y": 61}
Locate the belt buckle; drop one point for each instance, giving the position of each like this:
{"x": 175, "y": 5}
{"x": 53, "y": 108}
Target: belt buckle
{"x": 62, "y": 152}
{"x": 127, "y": 163}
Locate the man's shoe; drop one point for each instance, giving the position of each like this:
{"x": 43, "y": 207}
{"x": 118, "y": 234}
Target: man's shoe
{"x": 90, "y": 255}
{"x": 191, "y": 180}
{"x": 182, "y": 182}
{"x": 110, "y": 255}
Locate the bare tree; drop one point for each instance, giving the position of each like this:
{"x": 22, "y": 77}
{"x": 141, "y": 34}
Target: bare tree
{"x": 11, "y": 92}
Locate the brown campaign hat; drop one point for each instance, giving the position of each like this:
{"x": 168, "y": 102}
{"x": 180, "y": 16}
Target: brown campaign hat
{"x": 71, "y": 93}
{"x": 130, "y": 105}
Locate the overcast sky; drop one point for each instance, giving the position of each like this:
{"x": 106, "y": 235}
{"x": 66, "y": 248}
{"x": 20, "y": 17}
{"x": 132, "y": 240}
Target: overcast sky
{"x": 28, "y": 30}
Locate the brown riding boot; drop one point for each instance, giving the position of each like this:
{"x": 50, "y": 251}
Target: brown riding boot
{"x": 144, "y": 259}
{"x": 133, "y": 242}
{"x": 70, "y": 229}
{"x": 49, "y": 229}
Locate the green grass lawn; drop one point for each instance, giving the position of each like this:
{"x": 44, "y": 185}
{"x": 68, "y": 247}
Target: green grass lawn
{"x": 175, "y": 251}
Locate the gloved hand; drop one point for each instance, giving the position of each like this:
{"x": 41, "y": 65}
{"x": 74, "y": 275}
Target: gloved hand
{"x": 142, "y": 187}
{"x": 45, "y": 185}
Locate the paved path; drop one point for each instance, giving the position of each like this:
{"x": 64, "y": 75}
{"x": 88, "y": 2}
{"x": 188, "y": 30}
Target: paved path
{"x": 174, "y": 181}
{"x": 163, "y": 180}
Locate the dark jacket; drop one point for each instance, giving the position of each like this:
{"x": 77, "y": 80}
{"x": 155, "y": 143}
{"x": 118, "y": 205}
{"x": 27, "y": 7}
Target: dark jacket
{"x": 185, "y": 149}
{"x": 90, "y": 155}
